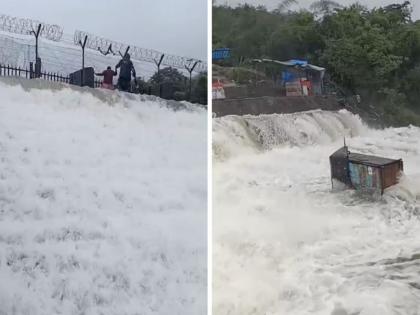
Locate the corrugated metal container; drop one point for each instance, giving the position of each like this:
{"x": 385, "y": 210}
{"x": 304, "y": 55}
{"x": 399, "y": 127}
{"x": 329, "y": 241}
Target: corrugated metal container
{"x": 364, "y": 177}
{"x": 339, "y": 162}
{"x": 364, "y": 172}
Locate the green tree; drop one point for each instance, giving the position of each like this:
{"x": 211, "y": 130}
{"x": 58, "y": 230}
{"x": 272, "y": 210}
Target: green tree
{"x": 199, "y": 92}
{"x": 170, "y": 81}
{"x": 371, "y": 52}
{"x": 285, "y": 4}
{"x": 324, "y": 7}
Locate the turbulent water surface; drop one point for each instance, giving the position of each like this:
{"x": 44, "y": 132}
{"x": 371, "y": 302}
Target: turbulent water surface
{"x": 284, "y": 243}
{"x": 102, "y": 204}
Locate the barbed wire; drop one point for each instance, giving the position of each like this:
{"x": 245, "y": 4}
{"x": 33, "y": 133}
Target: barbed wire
{"x": 26, "y": 26}
{"x": 63, "y": 59}
{"x": 55, "y": 33}
{"x": 142, "y": 54}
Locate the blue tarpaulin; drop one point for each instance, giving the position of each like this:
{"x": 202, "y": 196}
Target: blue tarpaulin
{"x": 287, "y": 76}
{"x": 293, "y": 63}
{"x": 221, "y": 53}
{"x": 297, "y": 62}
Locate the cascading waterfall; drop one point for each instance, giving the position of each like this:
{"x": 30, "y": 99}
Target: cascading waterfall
{"x": 285, "y": 243}
{"x": 264, "y": 132}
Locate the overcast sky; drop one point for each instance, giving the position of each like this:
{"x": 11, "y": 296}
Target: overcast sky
{"x": 305, "y": 3}
{"x": 172, "y": 26}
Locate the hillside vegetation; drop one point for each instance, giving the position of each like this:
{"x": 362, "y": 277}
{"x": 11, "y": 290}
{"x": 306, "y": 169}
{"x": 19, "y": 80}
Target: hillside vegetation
{"x": 371, "y": 52}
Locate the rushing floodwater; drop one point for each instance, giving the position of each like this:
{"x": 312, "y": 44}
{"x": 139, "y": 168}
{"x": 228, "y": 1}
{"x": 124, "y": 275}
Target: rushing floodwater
{"x": 102, "y": 204}
{"x": 284, "y": 243}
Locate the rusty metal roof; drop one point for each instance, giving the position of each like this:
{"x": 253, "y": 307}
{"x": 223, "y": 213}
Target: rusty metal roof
{"x": 342, "y": 152}
{"x": 370, "y": 160}
{"x": 358, "y": 158}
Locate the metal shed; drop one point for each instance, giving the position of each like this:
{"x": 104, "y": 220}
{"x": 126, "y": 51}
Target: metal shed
{"x": 300, "y": 69}
{"x": 364, "y": 172}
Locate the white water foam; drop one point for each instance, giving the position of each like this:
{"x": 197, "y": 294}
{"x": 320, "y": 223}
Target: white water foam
{"x": 284, "y": 243}
{"x": 238, "y": 134}
{"x": 102, "y": 204}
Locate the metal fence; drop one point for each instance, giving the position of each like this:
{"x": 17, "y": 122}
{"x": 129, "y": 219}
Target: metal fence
{"x": 18, "y": 53}
{"x": 37, "y": 29}
{"x": 10, "y": 71}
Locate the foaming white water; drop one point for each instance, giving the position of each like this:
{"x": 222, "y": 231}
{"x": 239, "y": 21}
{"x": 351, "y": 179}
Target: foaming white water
{"x": 284, "y": 243}
{"x": 235, "y": 134}
{"x": 102, "y": 205}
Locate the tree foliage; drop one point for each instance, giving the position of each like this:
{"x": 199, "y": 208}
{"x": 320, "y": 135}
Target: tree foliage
{"x": 371, "y": 52}
{"x": 285, "y": 4}
{"x": 172, "y": 84}
{"x": 324, "y": 6}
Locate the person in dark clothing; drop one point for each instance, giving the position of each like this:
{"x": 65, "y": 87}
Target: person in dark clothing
{"x": 126, "y": 70}
{"x": 108, "y": 74}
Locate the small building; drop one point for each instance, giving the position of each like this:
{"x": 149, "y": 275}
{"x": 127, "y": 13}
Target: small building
{"x": 298, "y": 77}
{"x": 364, "y": 172}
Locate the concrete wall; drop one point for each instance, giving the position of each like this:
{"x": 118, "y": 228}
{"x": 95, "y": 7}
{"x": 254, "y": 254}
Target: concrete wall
{"x": 273, "y": 105}
{"x": 253, "y": 91}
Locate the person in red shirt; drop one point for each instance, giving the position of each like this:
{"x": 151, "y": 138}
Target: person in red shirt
{"x": 108, "y": 75}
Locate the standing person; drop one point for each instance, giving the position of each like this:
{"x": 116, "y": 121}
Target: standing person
{"x": 127, "y": 68}
{"x": 108, "y": 82}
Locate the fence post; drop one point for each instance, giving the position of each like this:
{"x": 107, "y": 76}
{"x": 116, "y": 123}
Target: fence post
{"x": 37, "y": 59}
{"x": 126, "y": 51}
{"x": 83, "y": 59}
{"x": 31, "y": 70}
{"x": 109, "y": 50}
{"x": 36, "y": 34}
{"x": 190, "y": 70}
{"x": 158, "y": 63}
{"x": 38, "y": 67}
